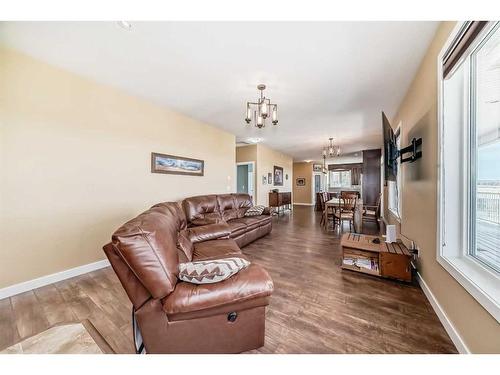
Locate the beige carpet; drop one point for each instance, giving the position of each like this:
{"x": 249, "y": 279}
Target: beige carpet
{"x": 63, "y": 339}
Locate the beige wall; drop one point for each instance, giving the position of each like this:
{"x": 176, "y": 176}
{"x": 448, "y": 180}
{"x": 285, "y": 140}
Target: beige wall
{"x": 418, "y": 117}
{"x": 267, "y": 158}
{"x": 75, "y": 164}
{"x": 303, "y": 194}
{"x": 246, "y": 153}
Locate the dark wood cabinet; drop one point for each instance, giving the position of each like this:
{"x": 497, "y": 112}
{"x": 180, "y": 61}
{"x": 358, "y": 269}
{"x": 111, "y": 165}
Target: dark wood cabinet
{"x": 371, "y": 176}
{"x": 280, "y": 200}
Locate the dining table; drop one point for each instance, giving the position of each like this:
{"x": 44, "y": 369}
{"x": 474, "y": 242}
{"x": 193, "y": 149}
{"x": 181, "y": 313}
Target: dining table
{"x": 358, "y": 212}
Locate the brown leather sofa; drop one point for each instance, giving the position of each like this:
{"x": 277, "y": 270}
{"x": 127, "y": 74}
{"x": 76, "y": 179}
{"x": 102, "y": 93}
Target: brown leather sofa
{"x": 173, "y": 316}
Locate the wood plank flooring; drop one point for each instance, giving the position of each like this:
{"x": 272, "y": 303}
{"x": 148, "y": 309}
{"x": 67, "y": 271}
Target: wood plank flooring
{"x": 315, "y": 308}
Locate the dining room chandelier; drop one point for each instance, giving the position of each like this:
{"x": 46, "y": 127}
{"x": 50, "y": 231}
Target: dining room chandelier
{"x": 331, "y": 150}
{"x": 260, "y": 110}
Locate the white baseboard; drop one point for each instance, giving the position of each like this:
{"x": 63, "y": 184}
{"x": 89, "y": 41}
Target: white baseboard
{"x": 303, "y": 204}
{"x": 448, "y": 326}
{"x": 53, "y": 278}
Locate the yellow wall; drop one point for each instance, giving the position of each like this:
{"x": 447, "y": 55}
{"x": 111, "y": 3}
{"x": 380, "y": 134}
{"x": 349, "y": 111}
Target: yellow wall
{"x": 246, "y": 153}
{"x": 302, "y": 194}
{"x": 418, "y": 117}
{"x": 267, "y": 158}
{"x": 75, "y": 164}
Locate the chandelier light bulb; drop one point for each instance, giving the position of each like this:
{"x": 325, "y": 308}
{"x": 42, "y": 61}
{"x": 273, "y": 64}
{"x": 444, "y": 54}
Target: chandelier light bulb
{"x": 260, "y": 121}
{"x": 248, "y": 119}
{"x": 275, "y": 115}
{"x": 263, "y": 109}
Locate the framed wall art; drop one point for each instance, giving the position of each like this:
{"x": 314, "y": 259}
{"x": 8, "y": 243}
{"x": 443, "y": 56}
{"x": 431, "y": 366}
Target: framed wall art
{"x": 170, "y": 164}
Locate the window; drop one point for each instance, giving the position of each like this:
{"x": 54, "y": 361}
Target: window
{"x": 394, "y": 187}
{"x": 485, "y": 152}
{"x": 340, "y": 179}
{"x": 469, "y": 174}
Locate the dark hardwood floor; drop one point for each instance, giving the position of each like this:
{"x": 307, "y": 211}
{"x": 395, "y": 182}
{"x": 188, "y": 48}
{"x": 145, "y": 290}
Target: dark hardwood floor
{"x": 315, "y": 308}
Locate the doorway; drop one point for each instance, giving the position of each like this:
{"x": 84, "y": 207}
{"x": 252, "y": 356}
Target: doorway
{"x": 317, "y": 183}
{"x": 245, "y": 178}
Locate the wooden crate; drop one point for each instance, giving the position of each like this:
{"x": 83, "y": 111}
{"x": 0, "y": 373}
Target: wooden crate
{"x": 391, "y": 260}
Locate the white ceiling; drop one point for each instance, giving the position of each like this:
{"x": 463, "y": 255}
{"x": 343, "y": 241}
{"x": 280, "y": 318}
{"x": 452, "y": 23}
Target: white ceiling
{"x": 328, "y": 78}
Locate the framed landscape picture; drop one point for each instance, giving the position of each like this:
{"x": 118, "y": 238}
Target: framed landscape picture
{"x": 278, "y": 176}
{"x": 170, "y": 164}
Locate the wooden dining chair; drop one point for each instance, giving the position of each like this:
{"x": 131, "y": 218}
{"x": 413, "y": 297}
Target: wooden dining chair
{"x": 372, "y": 213}
{"x": 328, "y": 212}
{"x": 346, "y": 210}
{"x": 347, "y": 193}
{"x": 321, "y": 197}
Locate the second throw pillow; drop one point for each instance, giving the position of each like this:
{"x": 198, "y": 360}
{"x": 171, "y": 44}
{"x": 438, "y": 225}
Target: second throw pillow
{"x": 255, "y": 211}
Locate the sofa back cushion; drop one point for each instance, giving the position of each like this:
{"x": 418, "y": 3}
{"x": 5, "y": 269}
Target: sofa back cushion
{"x": 242, "y": 203}
{"x": 227, "y": 206}
{"x": 148, "y": 245}
{"x": 202, "y": 210}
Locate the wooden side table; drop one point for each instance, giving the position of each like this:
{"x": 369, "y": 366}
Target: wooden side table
{"x": 361, "y": 254}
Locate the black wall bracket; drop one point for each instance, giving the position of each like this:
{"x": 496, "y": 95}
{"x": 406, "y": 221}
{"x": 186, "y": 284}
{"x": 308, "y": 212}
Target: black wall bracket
{"x": 414, "y": 148}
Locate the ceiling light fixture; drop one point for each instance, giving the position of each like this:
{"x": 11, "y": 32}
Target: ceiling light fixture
{"x": 124, "y": 25}
{"x": 259, "y": 111}
{"x": 331, "y": 150}
{"x": 254, "y": 140}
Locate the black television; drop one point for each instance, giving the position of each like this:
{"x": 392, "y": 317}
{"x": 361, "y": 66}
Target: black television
{"x": 391, "y": 151}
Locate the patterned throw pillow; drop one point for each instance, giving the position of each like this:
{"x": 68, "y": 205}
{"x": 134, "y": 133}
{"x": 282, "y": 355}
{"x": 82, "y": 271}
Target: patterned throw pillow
{"x": 255, "y": 211}
{"x": 211, "y": 271}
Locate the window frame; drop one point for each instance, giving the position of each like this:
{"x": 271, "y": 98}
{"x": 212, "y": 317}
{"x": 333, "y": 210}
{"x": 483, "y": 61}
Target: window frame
{"x": 341, "y": 186}
{"x": 475, "y": 276}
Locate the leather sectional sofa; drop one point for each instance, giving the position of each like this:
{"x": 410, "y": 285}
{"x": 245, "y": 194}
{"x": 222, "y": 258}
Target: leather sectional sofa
{"x": 173, "y": 316}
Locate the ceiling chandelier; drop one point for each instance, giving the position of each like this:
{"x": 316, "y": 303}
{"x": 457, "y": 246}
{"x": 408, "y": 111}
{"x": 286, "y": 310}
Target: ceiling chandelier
{"x": 331, "y": 150}
{"x": 259, "y": 111}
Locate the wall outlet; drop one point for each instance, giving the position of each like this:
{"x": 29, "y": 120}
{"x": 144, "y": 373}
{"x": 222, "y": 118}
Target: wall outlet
{"x": 415, "y": 251}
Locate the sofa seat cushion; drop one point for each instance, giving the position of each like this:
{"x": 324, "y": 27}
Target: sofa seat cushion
{"x": 237, "y": 227}
{"x": 253, "y": 222}
{"x": 216, "y": 249}
{"x": 251, "y": 283}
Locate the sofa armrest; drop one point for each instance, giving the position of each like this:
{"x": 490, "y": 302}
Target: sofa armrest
{"x": 209, "y": 232}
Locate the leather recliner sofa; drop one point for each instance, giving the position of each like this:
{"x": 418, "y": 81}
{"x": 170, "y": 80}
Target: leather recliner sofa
{"x": 174, "y": 316}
